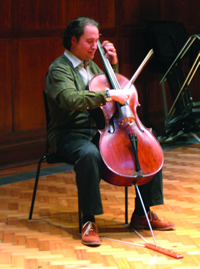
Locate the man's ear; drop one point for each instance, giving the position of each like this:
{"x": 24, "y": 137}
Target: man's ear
{"x": 73, "y": 40}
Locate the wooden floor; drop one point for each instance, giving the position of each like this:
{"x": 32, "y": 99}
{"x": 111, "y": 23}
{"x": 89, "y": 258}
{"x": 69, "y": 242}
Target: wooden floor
{"x": 51, "y": 239}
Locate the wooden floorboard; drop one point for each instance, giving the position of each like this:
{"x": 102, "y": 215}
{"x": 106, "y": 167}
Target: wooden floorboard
{"x": 51, "y": 240}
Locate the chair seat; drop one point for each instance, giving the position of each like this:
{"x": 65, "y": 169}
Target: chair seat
{"x": 53, "y": 158}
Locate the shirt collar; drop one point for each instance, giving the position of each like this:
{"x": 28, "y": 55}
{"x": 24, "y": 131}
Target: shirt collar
{"x": 73, "y": 59}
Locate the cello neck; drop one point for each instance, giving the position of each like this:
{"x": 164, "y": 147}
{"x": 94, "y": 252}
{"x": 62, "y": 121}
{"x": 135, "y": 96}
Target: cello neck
{"x": 108, "y": 68}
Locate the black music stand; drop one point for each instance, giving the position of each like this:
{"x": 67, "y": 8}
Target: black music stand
{"x": 184, "y": 114}
{"x": 166, "y": 38}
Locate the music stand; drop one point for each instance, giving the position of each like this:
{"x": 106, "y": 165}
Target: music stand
{"x": 184, "y": 114}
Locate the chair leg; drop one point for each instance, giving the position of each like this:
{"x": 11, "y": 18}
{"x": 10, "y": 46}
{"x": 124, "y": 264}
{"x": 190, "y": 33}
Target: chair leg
{"x": 79, "y": 216}
{"x": 35, "y": 187}
{"x": 126, "y": 205}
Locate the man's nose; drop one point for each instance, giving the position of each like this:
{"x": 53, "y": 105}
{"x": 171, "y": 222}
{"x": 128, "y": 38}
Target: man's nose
{"x": 94, "y": 45}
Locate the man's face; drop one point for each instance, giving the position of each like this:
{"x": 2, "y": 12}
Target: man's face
{"x": 86, "y": 47}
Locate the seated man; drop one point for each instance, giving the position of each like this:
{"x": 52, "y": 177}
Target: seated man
{"x": 72, "y": 128}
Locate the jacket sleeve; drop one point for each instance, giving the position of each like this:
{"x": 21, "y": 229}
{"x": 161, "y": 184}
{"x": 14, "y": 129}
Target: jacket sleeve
{"x": 66, "y": 87}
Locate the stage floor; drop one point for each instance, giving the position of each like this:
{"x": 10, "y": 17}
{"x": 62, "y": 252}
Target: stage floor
{"x": 51, "y": 239}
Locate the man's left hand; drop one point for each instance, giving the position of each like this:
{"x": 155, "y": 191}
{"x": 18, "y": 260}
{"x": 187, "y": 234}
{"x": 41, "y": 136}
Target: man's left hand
{"x": 110, "y": 52}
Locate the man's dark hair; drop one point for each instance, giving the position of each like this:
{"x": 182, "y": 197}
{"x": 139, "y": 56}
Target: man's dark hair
{"x": 76, "y": 28}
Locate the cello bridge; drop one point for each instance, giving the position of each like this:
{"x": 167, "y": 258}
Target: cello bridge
{"x": 130, "y": 120}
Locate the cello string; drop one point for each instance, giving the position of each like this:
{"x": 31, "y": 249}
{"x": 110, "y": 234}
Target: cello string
{"x": 108, "y": 67}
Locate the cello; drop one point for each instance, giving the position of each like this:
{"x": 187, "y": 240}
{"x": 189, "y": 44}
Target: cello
{"x": 131, "y": 154}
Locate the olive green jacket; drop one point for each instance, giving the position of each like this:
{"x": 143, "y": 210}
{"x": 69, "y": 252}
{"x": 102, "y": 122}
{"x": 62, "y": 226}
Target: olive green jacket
{"x": 69, "y": 100}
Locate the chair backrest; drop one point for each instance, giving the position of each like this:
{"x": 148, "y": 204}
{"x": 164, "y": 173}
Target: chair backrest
{"x": 46, "y": 108}
{"x": 52, "y": 157}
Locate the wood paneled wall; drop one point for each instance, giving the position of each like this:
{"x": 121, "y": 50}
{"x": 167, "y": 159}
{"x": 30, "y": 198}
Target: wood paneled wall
{"x": 31, "y": 38}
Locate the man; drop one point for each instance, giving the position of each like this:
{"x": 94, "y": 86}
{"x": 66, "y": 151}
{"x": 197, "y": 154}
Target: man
{"x": 72, "y": 128}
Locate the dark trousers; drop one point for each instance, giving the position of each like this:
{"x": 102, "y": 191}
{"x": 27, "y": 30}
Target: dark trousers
{"x": 151, "y": 192}
{"x": 87, "y": 166}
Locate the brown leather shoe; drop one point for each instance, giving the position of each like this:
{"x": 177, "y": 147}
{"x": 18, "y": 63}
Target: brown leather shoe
{"x": 140, "y": 222}
{"x": 89, "y": 234}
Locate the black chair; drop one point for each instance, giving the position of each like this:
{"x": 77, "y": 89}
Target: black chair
{"x": 51, "y": 158}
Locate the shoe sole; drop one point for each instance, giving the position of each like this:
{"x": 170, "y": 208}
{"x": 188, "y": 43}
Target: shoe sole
{"x": 91, "y": 243}
{"x": 154, "y": 228}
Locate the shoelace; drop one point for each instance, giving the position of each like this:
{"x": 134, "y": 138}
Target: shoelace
{"x": 88, "y": 229}
{"x": 153, "y": 215}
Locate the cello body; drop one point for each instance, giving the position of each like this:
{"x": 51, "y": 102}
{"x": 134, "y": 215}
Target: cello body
{"x": 130, "y": 152}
